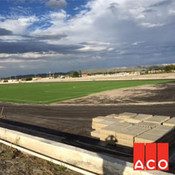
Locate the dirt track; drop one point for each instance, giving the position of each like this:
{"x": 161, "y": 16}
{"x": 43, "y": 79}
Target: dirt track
{"x": 76, "y": 119}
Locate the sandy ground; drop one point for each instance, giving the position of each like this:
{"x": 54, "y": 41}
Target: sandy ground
{"x": 147, "y": 94}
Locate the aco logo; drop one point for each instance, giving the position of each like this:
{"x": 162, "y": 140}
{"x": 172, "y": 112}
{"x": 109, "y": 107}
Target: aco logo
{"x": 151, "y": 156}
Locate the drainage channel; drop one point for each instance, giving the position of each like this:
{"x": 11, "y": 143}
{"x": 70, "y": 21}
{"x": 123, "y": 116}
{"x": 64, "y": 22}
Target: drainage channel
{"x": 87, "y": 143}
{"x": 103, "y": 159}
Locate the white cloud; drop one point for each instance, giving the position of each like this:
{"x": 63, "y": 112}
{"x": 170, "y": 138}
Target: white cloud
{"x": 18, "y": 24}
{"x": 90, "y": 48}
{"x": 20, "y": 61}
{"x": 103, "y": 21}
{"x": 13, "y": 38}
{"x": 95, "y": 46}
{"x": 110, "y": 49}
{"x": 172, "y": 12}
{"x": 137, "y": 43}
{"x": 150, "y": 25}
{"x": 33, "y": 55}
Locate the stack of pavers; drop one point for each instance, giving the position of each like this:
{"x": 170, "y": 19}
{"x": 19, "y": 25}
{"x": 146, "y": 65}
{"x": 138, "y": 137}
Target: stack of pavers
{"x": 127, "y": 128}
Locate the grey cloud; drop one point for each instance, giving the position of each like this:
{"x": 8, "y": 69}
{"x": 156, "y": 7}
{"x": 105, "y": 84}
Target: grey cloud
{"x": 5, "y": 32}
{"x": 36, "y": 46}
{"x": 56, "y": 3}
{"x": 40, "y": 37}
{"x": 162, "y": 3}
{"x": 113, "y": 7}
{"x": 50, "y": 37}
{"x": 149, "y": 11}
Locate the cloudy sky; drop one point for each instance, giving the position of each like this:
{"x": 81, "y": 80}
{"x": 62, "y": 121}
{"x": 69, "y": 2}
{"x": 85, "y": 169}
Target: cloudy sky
{"x": 41, "y": 36}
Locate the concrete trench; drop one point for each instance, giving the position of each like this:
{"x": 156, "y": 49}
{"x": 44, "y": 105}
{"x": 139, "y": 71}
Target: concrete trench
{"x": 77, "y": 159}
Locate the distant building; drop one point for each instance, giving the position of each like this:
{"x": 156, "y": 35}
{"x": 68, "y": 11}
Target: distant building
{"x": 134, "y": 73}
{"x": 62, "y": 77}
{"x": 155, "y": 71}
{"x": 85, "y": 75}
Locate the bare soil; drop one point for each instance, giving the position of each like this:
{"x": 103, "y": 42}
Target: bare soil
{"x": 13, "y": 162}
{"x": 164, "y": 92}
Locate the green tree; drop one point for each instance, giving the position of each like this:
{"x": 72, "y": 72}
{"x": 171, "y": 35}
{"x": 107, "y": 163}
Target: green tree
{"x": 75, "y": 74}
{"x": 169, "y": 68}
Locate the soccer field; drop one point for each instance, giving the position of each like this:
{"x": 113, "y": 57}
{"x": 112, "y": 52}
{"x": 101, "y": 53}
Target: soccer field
{"x": 45, "y": 93}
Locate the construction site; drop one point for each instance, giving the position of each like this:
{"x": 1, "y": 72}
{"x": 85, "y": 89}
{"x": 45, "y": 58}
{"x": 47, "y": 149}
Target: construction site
{"x": 87, "y": 87}
{"x": 94, "y": 134}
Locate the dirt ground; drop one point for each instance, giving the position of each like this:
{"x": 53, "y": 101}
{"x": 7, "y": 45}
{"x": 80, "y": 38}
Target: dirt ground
{"x": 159, "y": 93}
{"x": 13, "y": 162}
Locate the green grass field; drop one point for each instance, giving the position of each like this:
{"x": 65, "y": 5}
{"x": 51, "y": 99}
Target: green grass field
{"x": 45, "y": 93}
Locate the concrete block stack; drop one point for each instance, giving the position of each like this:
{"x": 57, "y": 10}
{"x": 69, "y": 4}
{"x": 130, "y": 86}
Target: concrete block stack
{"x": 147, "y": 124}
{"x": 127, "y": 128}
{"x": 158, "y": 119}
{"x": 154, "y": 134}
{"x": 170, "y": 122}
